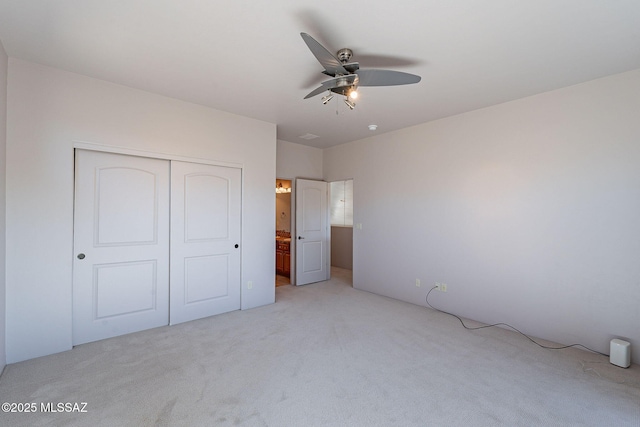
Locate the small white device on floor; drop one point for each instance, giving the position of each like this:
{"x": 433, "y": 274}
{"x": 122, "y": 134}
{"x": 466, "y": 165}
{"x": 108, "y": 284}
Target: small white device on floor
{"x": 620, "y": 353}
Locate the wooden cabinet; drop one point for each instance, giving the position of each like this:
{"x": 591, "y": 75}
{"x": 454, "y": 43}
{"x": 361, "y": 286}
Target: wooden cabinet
{"x": 279, "y": 261}
{"x": 283, "y": 257}
{"x": 287, "y": 263}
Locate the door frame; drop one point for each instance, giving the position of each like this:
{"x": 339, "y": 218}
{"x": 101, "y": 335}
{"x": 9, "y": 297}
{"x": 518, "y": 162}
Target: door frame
{"x": 153, "y": 154}
{"x": 292, "y": 228}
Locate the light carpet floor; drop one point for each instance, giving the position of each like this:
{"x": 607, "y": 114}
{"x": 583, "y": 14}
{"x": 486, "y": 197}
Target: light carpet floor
{"x": 324, "y": 354}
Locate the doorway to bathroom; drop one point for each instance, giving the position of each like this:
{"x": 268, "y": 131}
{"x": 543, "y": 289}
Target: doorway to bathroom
{"x": 283, "y": 232}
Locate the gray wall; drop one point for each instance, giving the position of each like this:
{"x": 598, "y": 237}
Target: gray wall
{"x": 283, "y": 211}
{"x": 528, "y": 210}
{"x": 342, "y": 247}
{"x": 48, "y": 112}
{"x": 298, "y": 161}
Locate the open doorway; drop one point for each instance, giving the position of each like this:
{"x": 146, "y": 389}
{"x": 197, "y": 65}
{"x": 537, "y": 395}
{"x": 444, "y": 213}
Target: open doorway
{"x": 283, "y": 232}
{"x": 341, "y": 214}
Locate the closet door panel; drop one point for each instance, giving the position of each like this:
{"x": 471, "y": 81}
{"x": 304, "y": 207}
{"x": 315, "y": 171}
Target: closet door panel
{"x": 205, "y": 239}
{"x": 121, "y": 245}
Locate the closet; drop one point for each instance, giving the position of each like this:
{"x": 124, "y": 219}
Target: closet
{"x": 156, "y": 242}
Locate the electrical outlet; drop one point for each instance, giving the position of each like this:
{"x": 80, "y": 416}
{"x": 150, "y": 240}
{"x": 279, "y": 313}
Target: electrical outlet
{"x": 442, "y": 287}
{"x": 249, "y": 284}
{"x": 417, "y": 283}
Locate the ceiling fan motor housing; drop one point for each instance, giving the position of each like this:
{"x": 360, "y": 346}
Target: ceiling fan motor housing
{"x": 345, "y": 84}
{"x": 344, "y": 55}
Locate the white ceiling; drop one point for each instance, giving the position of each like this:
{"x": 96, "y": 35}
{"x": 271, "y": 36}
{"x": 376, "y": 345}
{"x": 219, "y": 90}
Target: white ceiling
{"x": 248, "y": 57}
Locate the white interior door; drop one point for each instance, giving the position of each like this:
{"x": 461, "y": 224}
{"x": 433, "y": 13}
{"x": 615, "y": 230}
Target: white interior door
{"x": 312, "y": 232}
{"x": 205, "y": 239}
{"x": 121, "y": 245}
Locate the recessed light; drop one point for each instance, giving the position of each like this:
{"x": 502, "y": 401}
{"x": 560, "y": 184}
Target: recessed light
{"x": 373, "y": 127}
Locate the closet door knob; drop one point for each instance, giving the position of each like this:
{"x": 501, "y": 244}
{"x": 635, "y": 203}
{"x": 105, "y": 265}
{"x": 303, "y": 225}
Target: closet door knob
{"x": 236, "y": 246}
{"x": 300, "y": 238}
{"x": 80, "y": 256}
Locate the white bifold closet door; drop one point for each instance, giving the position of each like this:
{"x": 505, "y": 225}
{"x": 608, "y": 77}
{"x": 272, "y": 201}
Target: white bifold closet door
{"x": 125, "y": 207}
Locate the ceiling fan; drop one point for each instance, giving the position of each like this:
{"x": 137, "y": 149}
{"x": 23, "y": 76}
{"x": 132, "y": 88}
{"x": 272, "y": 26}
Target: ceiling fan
{"x": 347, "y": 76}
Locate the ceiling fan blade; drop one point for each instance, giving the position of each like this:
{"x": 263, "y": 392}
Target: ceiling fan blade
{"x": 385, "y": 61}
{"x": 315, "y": 92}
{"x": 330, "y": 63}
{"x": 342, "y": 82}
{"x": 375, "y": 77}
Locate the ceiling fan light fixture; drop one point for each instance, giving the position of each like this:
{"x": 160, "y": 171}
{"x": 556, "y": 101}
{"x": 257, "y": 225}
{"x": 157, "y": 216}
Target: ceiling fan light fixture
{"x": 353, "y": 94}
{"x": 350, "y": 104}
{"x": 327, "y": 98}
